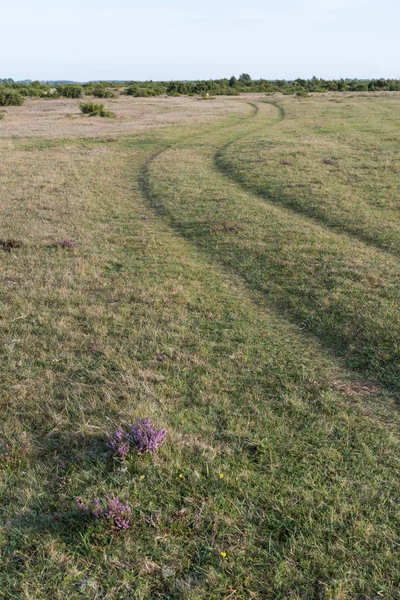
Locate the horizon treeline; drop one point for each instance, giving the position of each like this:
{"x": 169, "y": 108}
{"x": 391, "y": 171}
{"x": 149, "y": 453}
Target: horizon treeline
{"x": 12, "y": 92}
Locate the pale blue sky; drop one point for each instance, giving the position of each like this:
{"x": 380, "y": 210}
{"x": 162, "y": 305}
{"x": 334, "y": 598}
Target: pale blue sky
{"x": 196, "y": 39}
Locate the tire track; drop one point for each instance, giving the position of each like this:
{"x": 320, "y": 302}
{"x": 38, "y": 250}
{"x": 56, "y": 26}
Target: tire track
{"x": 332, "y": 339}
{"x": 322, "y": 220}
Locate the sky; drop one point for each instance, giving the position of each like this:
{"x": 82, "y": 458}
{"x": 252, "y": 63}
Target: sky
{"x": 86, "y": 40}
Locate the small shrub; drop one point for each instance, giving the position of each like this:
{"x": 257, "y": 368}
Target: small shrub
{"x": 111, "y": 513}
{"x": 285, "y": 162}
{"x": 2, "y": 115}
{"x": 94, "y": 110}
{"x": 142, "y": 437}
{"x": 143, "y": 92}
{"x": 301, "y": 93}
{"x": 231, "y": 92}
{"x": 70, "y": 91}
{"x": 119, "y": 443}
{"x": 101, "y": 92}
{"x": 329, "y": 161}
{"x": 145, "y": 437}
{"x": 10, "y": 98}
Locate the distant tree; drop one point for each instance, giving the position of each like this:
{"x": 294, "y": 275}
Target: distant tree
{"x": 244, "y": 77}
{"x": 233, "y": 81}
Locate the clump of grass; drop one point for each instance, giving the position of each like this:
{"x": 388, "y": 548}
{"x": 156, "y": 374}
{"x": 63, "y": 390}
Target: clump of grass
{"x": 142, "y": 437}
{"x": 2, "y": 115}
{"x": 13, "y": 451}
{"x": 10, "y": 244}
{"x": 329, "y": 161}
{"x": 92, "y": 109}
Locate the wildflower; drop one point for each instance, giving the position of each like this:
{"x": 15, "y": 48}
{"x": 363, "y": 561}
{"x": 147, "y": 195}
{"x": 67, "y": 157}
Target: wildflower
{"x": 145, "y": 437}
{"x": 141, "y": 477}
{"x": 221, "y": 475}
{"x": 117, "y": 513}
{"x": 66, "y": 243}
{"x": 181, "y": 476}
{"x": 114, "y": 513}
{"x": 142, "y": 437}
{"x": 118, "y": 443}
{"x": 223, "y": 554}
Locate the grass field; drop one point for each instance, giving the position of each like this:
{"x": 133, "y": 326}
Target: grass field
{"x": 231, "y": 273}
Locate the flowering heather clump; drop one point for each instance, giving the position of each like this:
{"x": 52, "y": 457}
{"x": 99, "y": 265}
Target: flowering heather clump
{"x": 142, "y": 437}
{"x": 145, "y": 437}
{"x": 67, "y": 243}
{"x": 14, "y": 451}
{"x": 119, "y": 443}
{"x": 114, "y": 513}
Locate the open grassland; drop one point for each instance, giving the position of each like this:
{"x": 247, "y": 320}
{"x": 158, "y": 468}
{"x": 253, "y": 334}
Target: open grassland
{"x": 62, "y": 118}
{"x": 249, "y": 311}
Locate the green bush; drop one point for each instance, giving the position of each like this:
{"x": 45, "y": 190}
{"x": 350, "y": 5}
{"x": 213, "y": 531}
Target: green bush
{"x": 10, "y": 98}
{"x": 230, "y": 92}
{"x": 94, "y": 110}
{"x": 302, "y": 93}
{"x": 101, "y": 92}
{"x": 70, "y": 91}
{"x": 142, "y": 92}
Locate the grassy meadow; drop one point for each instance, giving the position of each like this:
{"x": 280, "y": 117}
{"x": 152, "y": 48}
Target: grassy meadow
{"x": 232, "y": 274}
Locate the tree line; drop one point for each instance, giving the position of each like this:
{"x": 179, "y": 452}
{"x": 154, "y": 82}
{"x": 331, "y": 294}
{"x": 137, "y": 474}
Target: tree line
{"x": 13, "y": 93}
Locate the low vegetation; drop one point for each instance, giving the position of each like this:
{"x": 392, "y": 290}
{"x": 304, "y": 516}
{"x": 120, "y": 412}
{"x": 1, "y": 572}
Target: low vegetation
{"x": 199, "y": 358}
{"x": 217, "y": 87}
{"x": 10, "y": 98}
{"x": 92, "y": 109}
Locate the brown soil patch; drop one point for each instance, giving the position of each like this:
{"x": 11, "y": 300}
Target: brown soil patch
{"x": 357, "y": 389}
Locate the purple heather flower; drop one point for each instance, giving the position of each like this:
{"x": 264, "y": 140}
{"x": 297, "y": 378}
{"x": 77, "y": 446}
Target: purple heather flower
{"x": 66, "y": 243}
{"x": 114, "y": 512}
{"x": 142, "y": 437}
{"x": 145, "y": 437}
{"x": 119, "y": 443}
{"x": 118, "y": 513}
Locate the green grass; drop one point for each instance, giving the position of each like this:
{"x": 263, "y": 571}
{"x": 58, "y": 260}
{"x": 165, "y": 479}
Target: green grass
{"x": 273, "y": 331}
{"x": 359, "y": 195}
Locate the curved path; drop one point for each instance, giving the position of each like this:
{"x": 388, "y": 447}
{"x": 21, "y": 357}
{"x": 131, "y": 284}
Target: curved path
{"x": 378, "y": 231}
{"x": 331, "y": 284}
